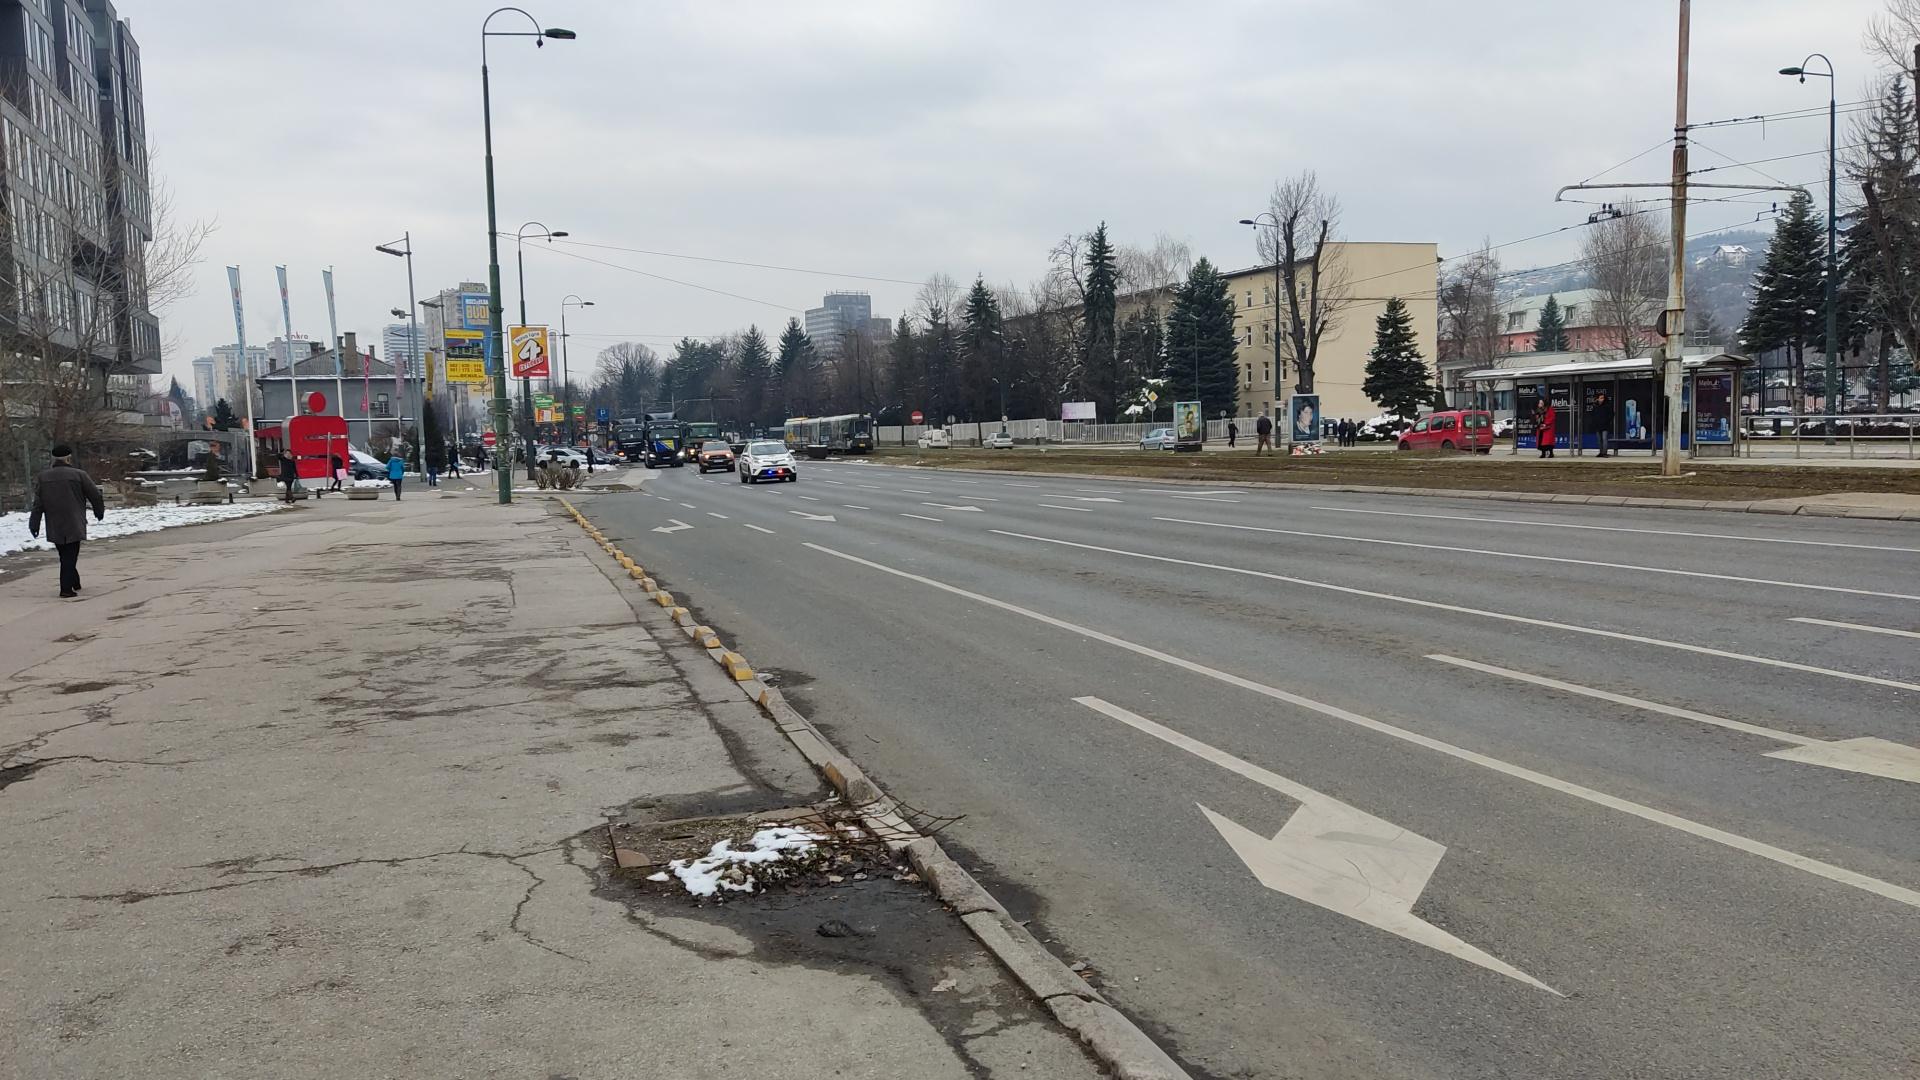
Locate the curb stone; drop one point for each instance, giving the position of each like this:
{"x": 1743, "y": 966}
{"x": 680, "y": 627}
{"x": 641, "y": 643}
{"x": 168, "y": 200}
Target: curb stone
{"x": 1645, "y": 503}
{"x": 1113, "y": 1040}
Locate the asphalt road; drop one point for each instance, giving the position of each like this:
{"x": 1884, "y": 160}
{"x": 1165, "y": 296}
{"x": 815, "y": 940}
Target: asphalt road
{"x": 1130, "y": 688}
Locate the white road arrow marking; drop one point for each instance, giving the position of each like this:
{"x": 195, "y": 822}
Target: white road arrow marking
{"x": 678, "y": 525}
{"x": 1873, "y": 756}
{"x": 1332, "y": 855}
{"x": 811, "y": 517}
{"x": 945, "y": 506}
{"x": 1079, "y": 498}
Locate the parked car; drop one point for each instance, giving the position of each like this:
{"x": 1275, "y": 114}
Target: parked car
{"x": 364, "y": 466}
{"x": 998, "y": 440}
{"x": 767, "y": 461}
{"x": 1382, "y": 428}
{"x": 1503, "y": 428}
{"x": 564, "y": 453}
{"x": 1459, "y": 429}
{"x": 715, "y": 454}
{"x": 1159, "y": 439}
{"x": 936, "y": 439}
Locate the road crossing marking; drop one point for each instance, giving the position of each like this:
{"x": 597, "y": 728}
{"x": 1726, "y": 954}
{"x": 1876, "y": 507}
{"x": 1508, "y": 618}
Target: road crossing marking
{"x": 1330, "y": 854}
{"x": 1616, "y": 635}
{"x": 1615, "y": 528}
{"x": 921, "y": 517}
{"x": 1857, "y": 626}
{"x": 1875, "y": 757}
{"x": 1837, "y": 874}
{"x": 756, "y": 528}
{"x": 1451, "y": 549}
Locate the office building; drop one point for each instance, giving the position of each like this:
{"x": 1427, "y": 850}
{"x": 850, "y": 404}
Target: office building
{"x": 204, "y": 386}
{"x": 75, "y": 184}
{"x": 397, "y": 343}
{"x": 839, "y": 313}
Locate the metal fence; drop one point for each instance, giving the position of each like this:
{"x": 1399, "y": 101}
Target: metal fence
{"x": 1812, "y": 435}
{"x": 1058, "y": 432}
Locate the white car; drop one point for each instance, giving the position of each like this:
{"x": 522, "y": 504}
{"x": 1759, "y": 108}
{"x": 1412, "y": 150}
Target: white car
{"x": 564, "y": 453}
{"x": 998, "y": 440}
{"x": 766, "y": 461}
{"x": 936, "y": 439}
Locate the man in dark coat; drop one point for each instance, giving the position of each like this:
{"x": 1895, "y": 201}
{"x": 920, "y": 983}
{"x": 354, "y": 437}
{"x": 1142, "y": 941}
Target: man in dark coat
{"x": 61, "y": 496}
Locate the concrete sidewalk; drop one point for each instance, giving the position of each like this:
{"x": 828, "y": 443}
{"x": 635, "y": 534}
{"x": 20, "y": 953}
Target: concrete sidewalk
{"x": 323, "y": 793}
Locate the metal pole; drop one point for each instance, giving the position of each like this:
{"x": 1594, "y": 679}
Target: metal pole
{"x": 339, "y": 357}
{"x": 526, "y": 384}
{"x": 502, "y": 444}
{"x": 419, "y": 372}
{"x": 293, "y": 370}
{"x": 1834, "y": 389}
{"x": 1677, "y": 240}
{"x": 246, "y": 366}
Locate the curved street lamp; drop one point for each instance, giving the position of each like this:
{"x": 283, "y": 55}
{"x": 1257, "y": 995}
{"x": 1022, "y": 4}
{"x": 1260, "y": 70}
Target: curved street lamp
{"x": 501, "y": 418}
{"x": 1832, "y": 349}
{"x": 1279, "y": 364}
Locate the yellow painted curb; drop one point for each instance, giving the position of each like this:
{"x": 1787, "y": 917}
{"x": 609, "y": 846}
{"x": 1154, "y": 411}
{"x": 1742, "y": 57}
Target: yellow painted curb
{"x": 663, "y": 598}
{"x": 636, "y": 573}
{"x": 706, "y": 637}
{"x": 736, "y": 666}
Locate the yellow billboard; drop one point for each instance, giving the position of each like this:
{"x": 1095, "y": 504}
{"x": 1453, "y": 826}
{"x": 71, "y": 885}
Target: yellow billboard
{"x": 467, "y": 371}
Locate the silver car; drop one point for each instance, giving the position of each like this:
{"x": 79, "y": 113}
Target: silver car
{"x": 1159, "y": 439}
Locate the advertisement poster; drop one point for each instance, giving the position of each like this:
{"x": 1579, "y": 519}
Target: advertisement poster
{"x": 1073, "y": 410}
{"x": 1713, "y": 408}
{"x": 1526, "y": 413}
{"x": 1303, "y": 414}
{"x": 1634, "y": 412}
{"x": 1188, "y": 427}
{"x": 527, "y": 349}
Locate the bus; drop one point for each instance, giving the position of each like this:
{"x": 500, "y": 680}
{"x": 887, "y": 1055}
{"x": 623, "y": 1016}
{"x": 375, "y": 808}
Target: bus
{"x": 851, "y": 433}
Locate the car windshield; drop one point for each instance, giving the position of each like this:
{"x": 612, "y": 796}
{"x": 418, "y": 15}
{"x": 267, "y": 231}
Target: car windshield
{"x": 764, "y": 449}
{"x": 716, "y": 444}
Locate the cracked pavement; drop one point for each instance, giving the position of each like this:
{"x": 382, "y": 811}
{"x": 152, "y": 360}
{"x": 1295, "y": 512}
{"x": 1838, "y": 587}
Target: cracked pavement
{"x": 312, "y": 794}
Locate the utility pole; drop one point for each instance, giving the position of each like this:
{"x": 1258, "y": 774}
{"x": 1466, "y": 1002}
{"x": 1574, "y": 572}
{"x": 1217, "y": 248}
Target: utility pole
{"x": 1676, "y": 320}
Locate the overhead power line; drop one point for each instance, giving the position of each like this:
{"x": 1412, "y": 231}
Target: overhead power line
{"x": 788, "y": 308}
{"x": 742, "y": 262}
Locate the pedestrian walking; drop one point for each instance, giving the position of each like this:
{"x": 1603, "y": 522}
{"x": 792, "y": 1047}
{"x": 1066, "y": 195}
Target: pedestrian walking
{"x": 1263, "y": 434}
{"x": 289, "y": 476}
{"x": 1340, "y": 429}
{"x": 396, "y": 471}
{"x": 433, "y": 471}
{"x": 61, "y": 496}
{"x": 338, "y": 470}
{"x": 1233, "y": 433}
{"x": 1600, "y": 421}
{"x": 453, "y": 462}
{"x": 1545, "y": 428}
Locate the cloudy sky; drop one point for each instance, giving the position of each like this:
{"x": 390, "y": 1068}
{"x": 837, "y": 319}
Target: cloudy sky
{"x": 892, "y": 140}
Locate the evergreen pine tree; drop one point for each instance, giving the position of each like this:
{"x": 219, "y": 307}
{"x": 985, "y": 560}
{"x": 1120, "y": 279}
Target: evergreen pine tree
{"x": 752, "y": 371}
{"x": 983, "y": 351}
{"x": 798, "y": 368}
{"x": 223, "y": 418}
{"x": 1397, "y": 377}
{"x": 905, "y": 375}
{"x": 940, "y": 353}
{"x": 1099, "y": 360}
{"x": 1552, "y": 335}
{"x": 1789, "y": 292}
{"x": 435, "y": 444}
{"x": 1143, "y": 354}
{"x": 1200, "y": 342}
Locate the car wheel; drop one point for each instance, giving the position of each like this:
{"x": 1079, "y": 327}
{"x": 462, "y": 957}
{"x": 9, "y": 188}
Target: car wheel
{"x": 1446, "y": 444}
{"x": 794, "y": 479}
{"x": 1405, "y": 445}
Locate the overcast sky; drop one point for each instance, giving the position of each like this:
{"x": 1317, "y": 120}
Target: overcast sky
{"x": 898, "y": 139}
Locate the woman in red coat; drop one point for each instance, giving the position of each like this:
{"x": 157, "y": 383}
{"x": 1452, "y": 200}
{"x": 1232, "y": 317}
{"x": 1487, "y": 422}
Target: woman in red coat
{"x": 1545, "y": 428}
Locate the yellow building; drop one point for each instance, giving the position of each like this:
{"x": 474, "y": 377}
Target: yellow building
{"x": 1372, "y": 274}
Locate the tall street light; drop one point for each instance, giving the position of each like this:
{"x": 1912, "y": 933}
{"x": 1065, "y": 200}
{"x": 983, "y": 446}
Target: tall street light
{"x": 566, "y": 383}
{"x": 539, "y": 34}
{"x": 526, "y": 384}
{"x": 1272, "y": 222}
{"x": 1832, "y": 349}
{"x": 405, "y": 251}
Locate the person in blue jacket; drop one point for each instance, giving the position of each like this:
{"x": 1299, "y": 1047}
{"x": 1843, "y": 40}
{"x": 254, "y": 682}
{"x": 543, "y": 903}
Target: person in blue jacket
{"x": 396, "y": 469}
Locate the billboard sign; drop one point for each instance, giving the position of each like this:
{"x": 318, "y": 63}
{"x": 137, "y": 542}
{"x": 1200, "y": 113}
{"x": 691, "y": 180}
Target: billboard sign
{"x": 527, "y": 346}
{"x": 1303, "y": 418}
{"x": 474, "y": 311}
{"x": 467, "y": 371}
{"x": 1188, "y": 425}
{"x": 1076, "y": 410}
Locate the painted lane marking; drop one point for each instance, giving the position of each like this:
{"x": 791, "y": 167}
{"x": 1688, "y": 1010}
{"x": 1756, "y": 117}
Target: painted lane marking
{"x": 1548, "y": 558}
{"x": 1189, "y": 491}
{"x": 1875, "y": 757}
{"x": 824, "y": 480}
{"x": 966, "y": 481}
{"x": 1616, "y": 528}
{"x": 1857, "y": 626}
{"x": 690, "y": 506}
{"x": 917, "y": 491}
{"x": 945, "y": 506}
{"x": 1330, "y": 854}
{"x": 1102, "y": 491}
{"x": 811, "y": 517}
{"x": 678, "y": 526}
{"x": 1078, "y": 498}
{"x": 756, "y": 528}
{"x": 722, "y": 517}
{"x": 868, "y": 487}
{"x": 809, "y": 498}
{"x": 1840, "y": 875}
{"x": 921, "y": 517}
{"x": 1616, "y": 635}
{"x": 1203, "y": 498}
{"x": 1076, "y": 509}
{"x": 850, "y": 506}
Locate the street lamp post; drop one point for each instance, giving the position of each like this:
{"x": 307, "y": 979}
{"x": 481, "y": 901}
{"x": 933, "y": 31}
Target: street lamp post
{"x": 1832, "y": 349}
{"x": 526, "y": 384}
{"x": 566, "y": 381}
{"x": 413, "y": 339}
{"x": 539, "y": 34}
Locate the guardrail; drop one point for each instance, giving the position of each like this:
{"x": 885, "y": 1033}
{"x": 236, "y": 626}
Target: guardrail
{"x": 1853, "y": 435}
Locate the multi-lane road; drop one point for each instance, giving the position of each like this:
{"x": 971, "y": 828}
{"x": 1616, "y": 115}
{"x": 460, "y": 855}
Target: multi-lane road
{"x": 1328, "y": 785}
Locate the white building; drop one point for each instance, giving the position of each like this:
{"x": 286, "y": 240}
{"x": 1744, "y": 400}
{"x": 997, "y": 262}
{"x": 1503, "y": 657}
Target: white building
{"x": 396, "y": 344}
{"x": 838, "y": 313}
{"x": 230, "y": 374}
{"x": 205, "y": 389}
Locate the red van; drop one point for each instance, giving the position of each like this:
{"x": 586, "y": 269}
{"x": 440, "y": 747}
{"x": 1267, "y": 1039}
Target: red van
{"x": 1460, "y": 429}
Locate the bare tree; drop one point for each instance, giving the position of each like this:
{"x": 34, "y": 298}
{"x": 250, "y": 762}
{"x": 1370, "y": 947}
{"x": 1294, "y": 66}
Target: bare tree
{"x": 1150, "y": 269}
{"x": 1470, "y": 309}
{"x": 1313, "y": 282}
{"x": 1626, "y": 263}
{"x": 1893, "y": 34}
{"x": 940, "y": 292}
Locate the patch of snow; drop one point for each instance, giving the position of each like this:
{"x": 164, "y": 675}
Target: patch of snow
{"x": 381, "y": 484}
{"x": 723, "y": 867}
{"x": 128, "y": 520}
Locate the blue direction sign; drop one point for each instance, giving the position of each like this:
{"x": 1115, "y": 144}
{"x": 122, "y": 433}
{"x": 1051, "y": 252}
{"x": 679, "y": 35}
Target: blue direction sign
{"x": 602, "y": 414}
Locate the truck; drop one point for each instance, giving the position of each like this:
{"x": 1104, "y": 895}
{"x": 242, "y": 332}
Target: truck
{"x": 663, "y": 442}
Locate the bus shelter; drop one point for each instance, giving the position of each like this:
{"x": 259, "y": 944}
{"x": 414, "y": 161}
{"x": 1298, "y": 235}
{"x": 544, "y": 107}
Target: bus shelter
{"x": 1623, "y": 398}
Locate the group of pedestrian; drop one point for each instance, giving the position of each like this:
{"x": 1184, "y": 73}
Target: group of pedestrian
{"x": 1346, "y": 433}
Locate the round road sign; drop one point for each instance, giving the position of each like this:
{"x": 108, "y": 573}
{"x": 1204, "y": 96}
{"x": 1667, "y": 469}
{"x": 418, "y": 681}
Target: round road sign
{"x": 918, "y": 416}
{"x": 487, "y": 438}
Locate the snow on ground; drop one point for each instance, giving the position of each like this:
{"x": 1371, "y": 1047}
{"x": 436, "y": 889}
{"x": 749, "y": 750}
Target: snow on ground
{"x": 128, "y": 520}
{"x": 725, "y": 868}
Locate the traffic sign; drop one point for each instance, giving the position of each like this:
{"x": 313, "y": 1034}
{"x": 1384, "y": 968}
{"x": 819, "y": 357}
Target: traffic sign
{"x": 918, "y": 416}
{"x": 487, "y": 438}
{"x": 527, "y": 345}
{"x": 602, "y": 414}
